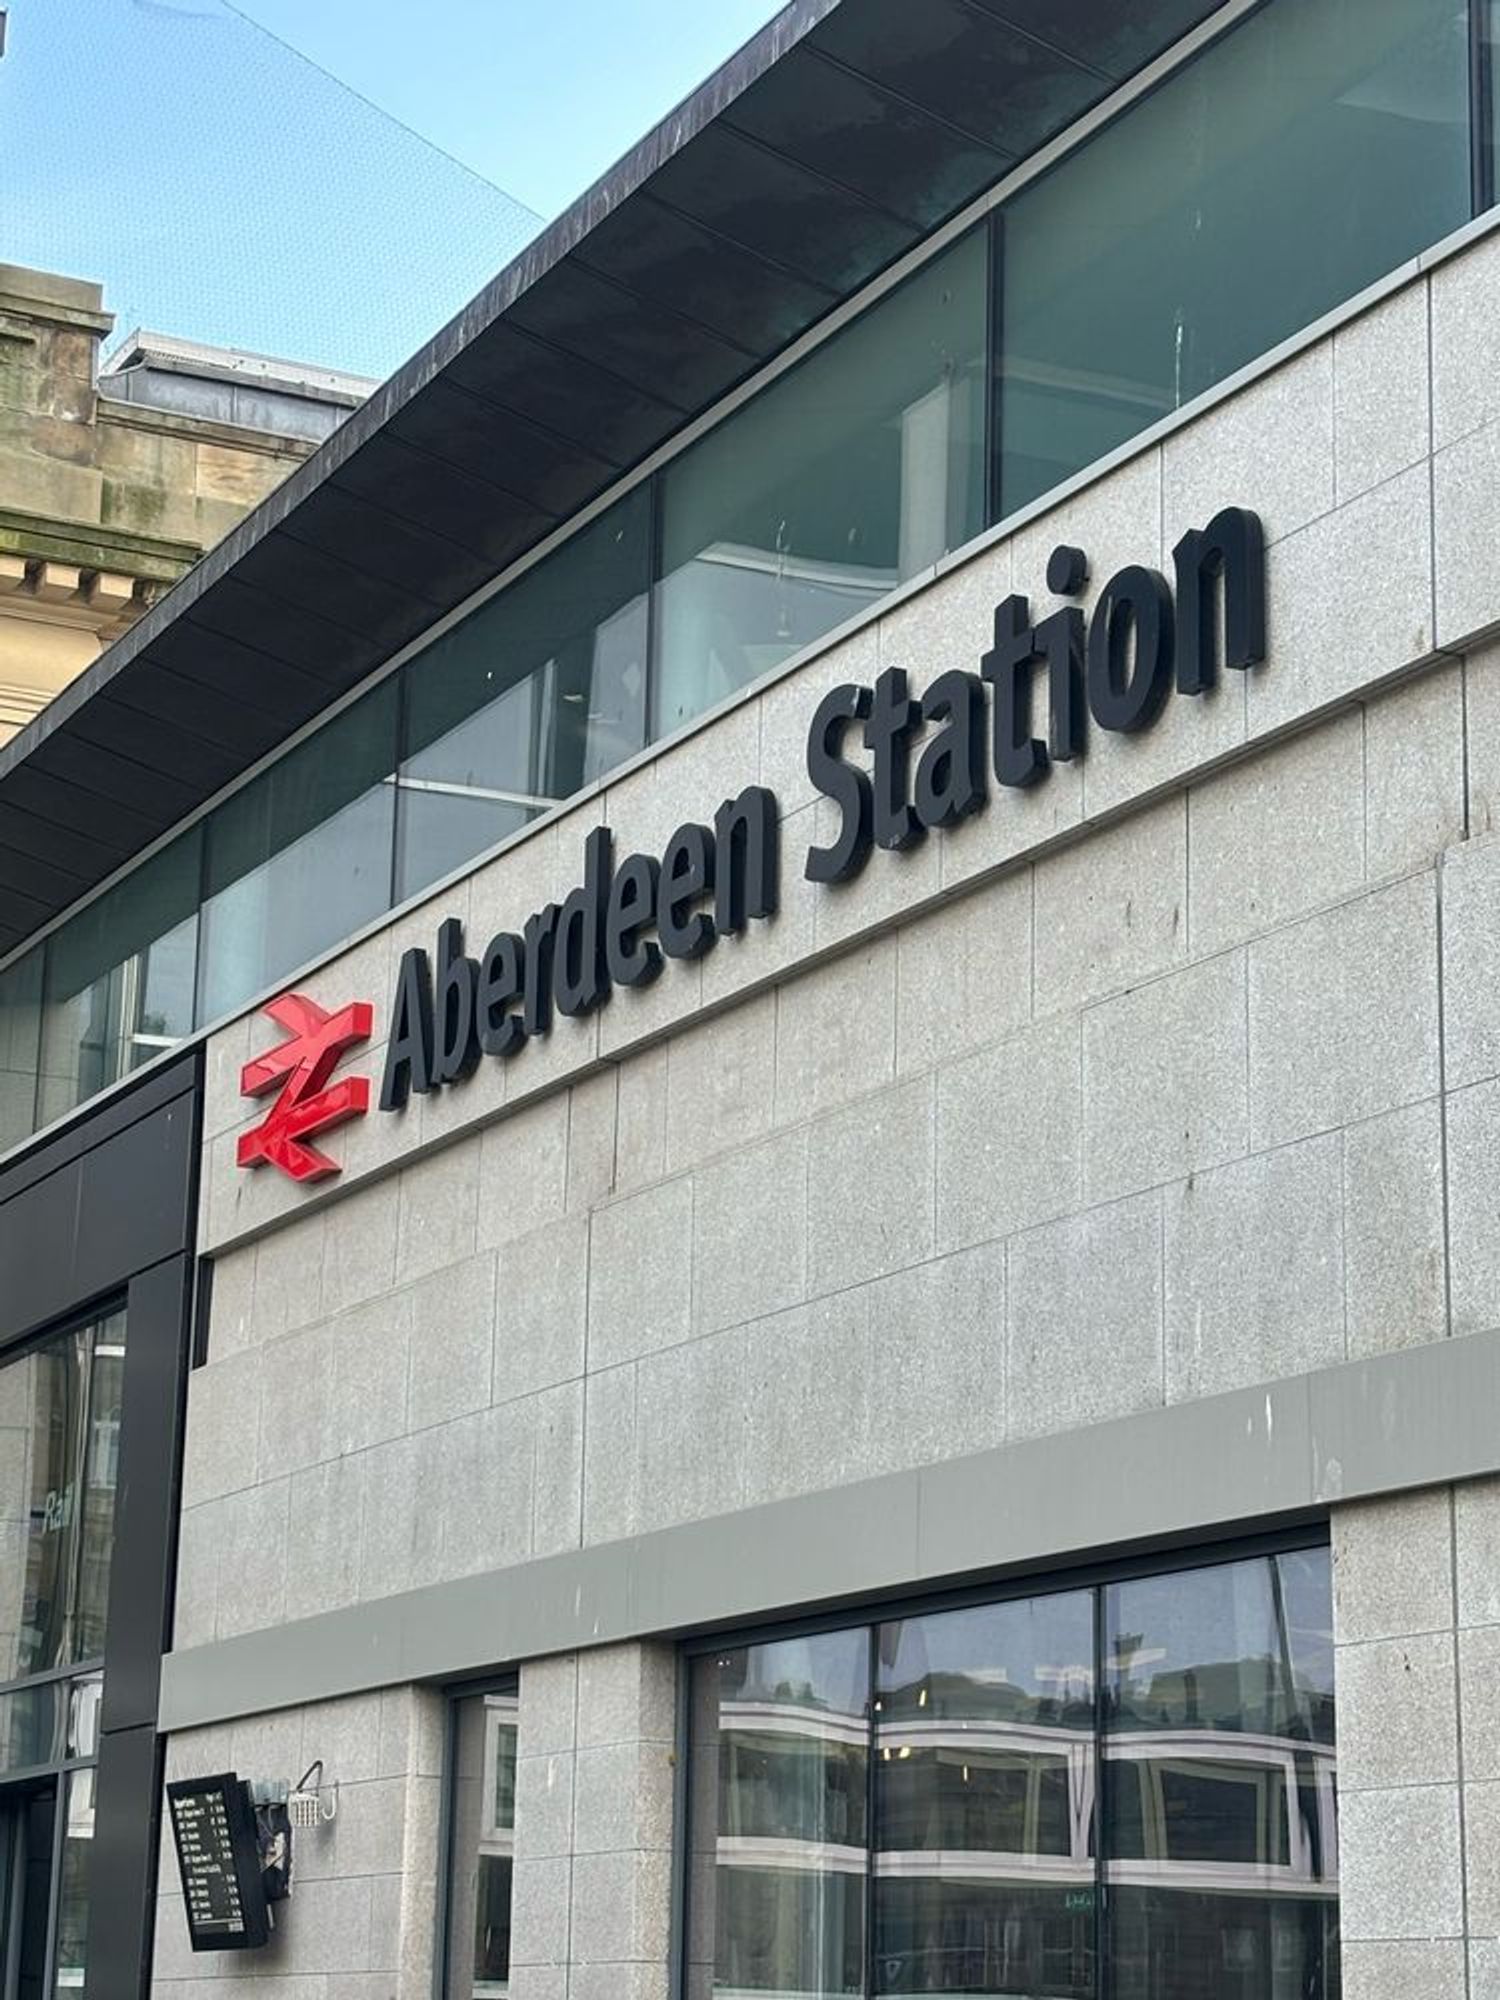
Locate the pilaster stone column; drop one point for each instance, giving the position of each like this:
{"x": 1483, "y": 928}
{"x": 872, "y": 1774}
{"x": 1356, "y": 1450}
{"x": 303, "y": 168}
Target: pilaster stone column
{"x": 595, "y": 1782}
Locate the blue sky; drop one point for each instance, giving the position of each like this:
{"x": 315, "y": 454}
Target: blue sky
{"x": 539, "y": 96}
{"x": 191, "y": 156}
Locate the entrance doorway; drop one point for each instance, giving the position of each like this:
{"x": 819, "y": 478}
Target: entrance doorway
{"x": 28, "y": 1876}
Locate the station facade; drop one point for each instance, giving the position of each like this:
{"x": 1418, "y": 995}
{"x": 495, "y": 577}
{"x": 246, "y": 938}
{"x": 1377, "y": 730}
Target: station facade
{"x": 815, "y": 1302}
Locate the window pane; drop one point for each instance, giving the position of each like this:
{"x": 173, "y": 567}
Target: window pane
{"x": 20, "y": 1041}
{"x": 119, "y": 979}
{"x": 69, "y": 1956}
{"x": 856, "y": 470}
{"x": 482, "y": 1850}
{"x": 532, "y": 697}
{"x": 302, "y": 856}
{"x": 59, "y": 1432}
{"x": 85, "y": 1697}
{"x": 1315, "y": 148}
{"x": 984, "y": 1772}
{"x": 1219, "y": 1783}
{"x": 101, "y": 1478}
{"x": 780, "y": 1849}
{"x": 33, "y": 1726}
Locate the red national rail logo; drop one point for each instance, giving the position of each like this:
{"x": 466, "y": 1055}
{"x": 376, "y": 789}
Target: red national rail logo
{"x": 309, "y": 1103}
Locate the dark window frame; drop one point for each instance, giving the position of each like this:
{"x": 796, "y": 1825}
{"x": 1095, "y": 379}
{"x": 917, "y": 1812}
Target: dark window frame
{"x": 504, "y": 1681}
{"x": 1295, "y": 1535}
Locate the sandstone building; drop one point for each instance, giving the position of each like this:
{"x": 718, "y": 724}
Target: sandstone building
{"x": 113, "y": 482}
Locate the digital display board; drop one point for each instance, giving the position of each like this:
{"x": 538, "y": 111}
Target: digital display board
{"x": 213, "y": 1825}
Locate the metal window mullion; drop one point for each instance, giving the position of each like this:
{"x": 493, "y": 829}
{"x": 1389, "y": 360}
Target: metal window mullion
{"x": 76, "y": 1670}
{"x": 682, "y": 1886}
{"x": 872, "y": 1762}
{"x": 398, "y": 804}
{"x": 80, "y": 1480}
{"x": 655, "y": 577}
{"x": 200, "y": 927}
{"x": 1481, "y": 106}
{"x": 446, "y": 1846}
{"x": 13, "y": 1891}
{"x": 54, "y": 1888}
{"x": 29, "y": 1775}
{"x": 1102, "y": 1979}
{"x": 994, "y": 365}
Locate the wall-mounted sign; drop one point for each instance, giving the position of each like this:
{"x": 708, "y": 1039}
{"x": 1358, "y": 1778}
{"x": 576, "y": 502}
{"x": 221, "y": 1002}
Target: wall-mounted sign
{"x": 213, "y": 1825}
{"x": 929, "y": 762}
{"x": 308, "y": 1103}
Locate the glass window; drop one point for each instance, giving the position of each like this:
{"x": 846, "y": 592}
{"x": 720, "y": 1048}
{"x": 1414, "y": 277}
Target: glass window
{"x": 985, "y": 1801}
{"x": 1219, "y": 1783}
{"x": 532, "y": 697}
{"x": 979, "y": 1759}
{"x": 69, "y": 1956}
{"x": 59, "y": 1471}
{"x": 119, "y": 979}
{"x": 781, "y": 1847}
{"x": 300, "y": 858}
{"x": 1313, "y": 149}
{"x": 20, "y": 1045}
{"x": 59, "y": 1448}
{"x": 482, "y": 1846}
{"x": 856, "y": 470}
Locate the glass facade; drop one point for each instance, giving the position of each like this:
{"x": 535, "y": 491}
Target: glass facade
{"x": 1126, "y": 1790}
{"x": 323, "y": 814}
{"x": 860, "y": 468}
{"x": 481, "y": 1846}
{"x": 1313, "y": 149}
{"x": 60, "y": 1452}
{"x": 119, "y": 979}
{"x": 533, "y": 697}
{"x": 60, "y": 1420}
{"x": 1316, "y": 145}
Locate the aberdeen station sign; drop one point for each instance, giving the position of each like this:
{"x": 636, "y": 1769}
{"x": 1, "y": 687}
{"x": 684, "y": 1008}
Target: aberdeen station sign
{"x": 931, "y": 763}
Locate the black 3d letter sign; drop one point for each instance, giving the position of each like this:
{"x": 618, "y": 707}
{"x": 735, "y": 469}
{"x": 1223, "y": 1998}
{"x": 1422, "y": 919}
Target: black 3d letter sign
{"x": 931, "y": 763}
{"x": 710, "y": 882}
{"x": 1117, "y": 672}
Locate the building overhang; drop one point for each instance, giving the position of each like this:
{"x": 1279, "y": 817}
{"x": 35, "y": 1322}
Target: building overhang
{"x": 832, "y": 144}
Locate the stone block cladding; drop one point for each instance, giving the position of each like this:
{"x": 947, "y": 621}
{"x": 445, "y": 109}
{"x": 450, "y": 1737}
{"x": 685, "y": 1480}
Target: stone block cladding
{"x": 1177, "y": 1074}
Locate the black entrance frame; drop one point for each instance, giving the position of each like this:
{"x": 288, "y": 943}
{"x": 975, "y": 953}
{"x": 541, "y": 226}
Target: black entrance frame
{"x": 98, "y": 1216}
{"x": 493, "y": 1680}
{"x": 1290, "y": 1534}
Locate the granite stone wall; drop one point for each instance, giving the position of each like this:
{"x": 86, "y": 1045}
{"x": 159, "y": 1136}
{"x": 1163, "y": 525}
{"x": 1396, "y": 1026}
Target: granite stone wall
{"x": 1178, "y": 1074}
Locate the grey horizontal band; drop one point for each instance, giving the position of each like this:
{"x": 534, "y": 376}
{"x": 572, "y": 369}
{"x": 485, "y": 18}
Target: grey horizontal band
{"x": 1419, "y": 1417}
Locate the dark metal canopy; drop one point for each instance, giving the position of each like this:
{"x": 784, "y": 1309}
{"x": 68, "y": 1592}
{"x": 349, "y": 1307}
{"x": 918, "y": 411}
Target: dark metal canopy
{"x": 830, "y": 145}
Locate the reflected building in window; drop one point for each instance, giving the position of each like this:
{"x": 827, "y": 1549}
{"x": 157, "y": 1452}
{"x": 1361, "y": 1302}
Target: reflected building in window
{"x": 481, "y": 1846}
{"x": 916, "y": 1808}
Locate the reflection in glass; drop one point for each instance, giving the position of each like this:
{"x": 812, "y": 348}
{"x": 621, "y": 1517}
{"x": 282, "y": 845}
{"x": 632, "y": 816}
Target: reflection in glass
{"x": 69, "y": 1953}
{"x": 978, "y": 1755}
{"x": 20, "y": 1042}
{"x": 32, "y": 1726}
{"x": 482, "y": 1846}
{"x": 1219, "y": 1783}
{"x": 300, "y": 858}
{"x": 59, "y": 1448}
{"x": 119, "y": 984}
{"x": 529, "y": 699}
{"x": 1305, "y": 155}
{"x": 86, "y": 1695}
{"x": 779, "y": 1816}
{"x": 856, "y": 470}
{"x": 984, "y": 1738}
